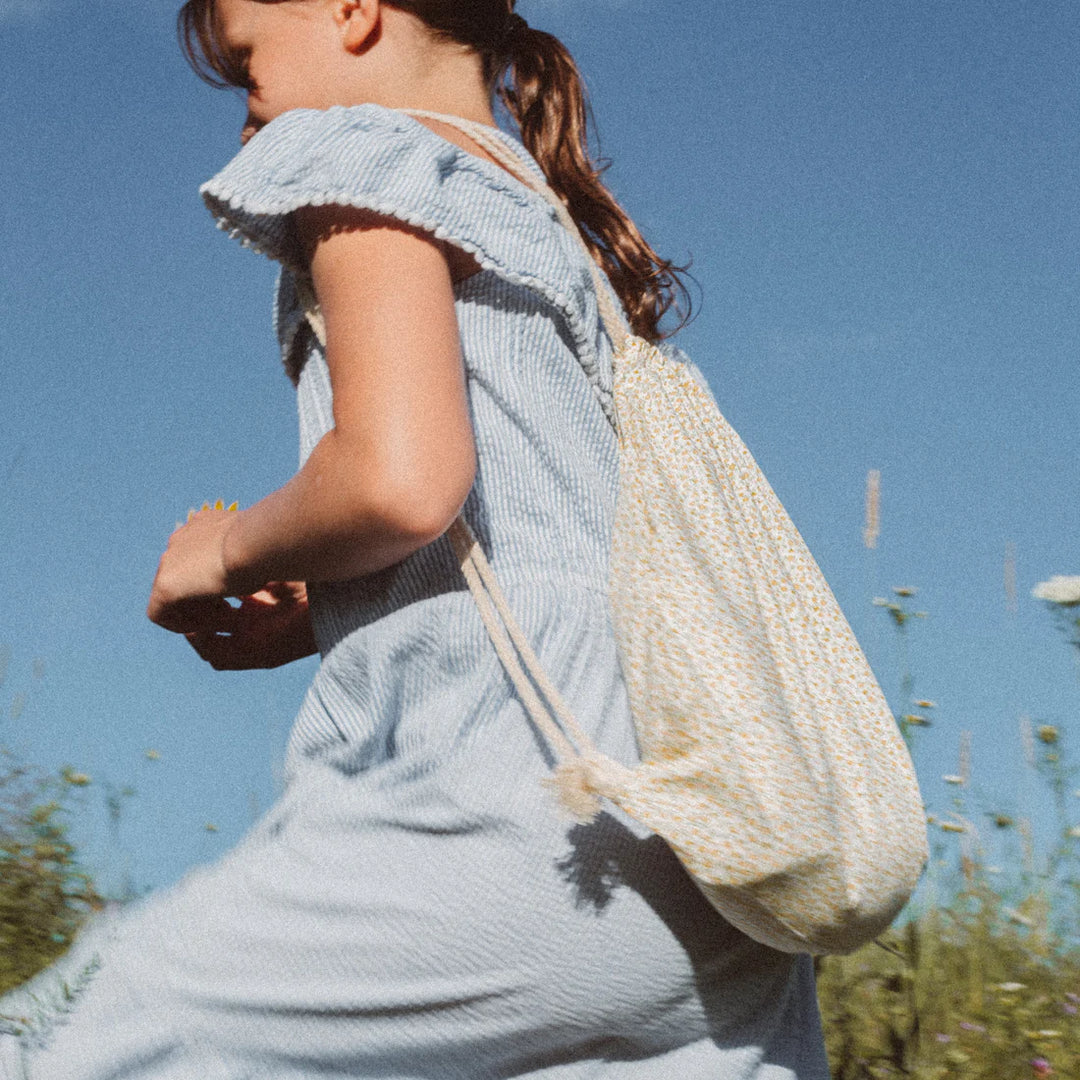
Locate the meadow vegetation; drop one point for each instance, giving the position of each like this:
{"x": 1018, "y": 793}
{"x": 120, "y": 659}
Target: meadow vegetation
{"x": 980, "y": 977}
{"x": 45, "y": 895}
{"x": 978, "y": 980}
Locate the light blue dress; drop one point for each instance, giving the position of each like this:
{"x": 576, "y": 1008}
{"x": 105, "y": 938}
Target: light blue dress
{"x": 414, "y": 907}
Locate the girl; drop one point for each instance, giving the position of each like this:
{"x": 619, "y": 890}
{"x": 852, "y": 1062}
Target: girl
{"x": 415, "y": 906}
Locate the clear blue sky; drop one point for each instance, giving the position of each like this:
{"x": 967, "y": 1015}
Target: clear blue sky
{"x": 881, "y": 206}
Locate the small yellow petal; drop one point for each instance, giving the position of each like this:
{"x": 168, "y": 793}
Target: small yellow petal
{"x": 232, "y": 506}
{"x": 219, "y": 505}
{"x": 190, "y": 514}
{"x": 206, "y": 506}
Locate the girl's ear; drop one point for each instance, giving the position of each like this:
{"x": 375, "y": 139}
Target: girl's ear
{"x": 357, "y": 20}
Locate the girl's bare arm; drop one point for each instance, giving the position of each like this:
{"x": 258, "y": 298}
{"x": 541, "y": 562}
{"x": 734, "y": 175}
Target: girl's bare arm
{"x": 400, "y": 460}
{"x": 398, "y": 464}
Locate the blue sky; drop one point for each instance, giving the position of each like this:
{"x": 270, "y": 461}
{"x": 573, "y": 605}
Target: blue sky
{"x": 880, "y": 202}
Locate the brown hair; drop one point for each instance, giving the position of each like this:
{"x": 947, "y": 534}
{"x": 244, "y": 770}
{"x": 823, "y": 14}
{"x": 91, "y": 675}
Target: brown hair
{"x": 535, "y": 77}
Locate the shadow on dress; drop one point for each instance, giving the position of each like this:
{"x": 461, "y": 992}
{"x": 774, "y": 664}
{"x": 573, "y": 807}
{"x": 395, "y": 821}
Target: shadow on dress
{"x": 606, "y": 856}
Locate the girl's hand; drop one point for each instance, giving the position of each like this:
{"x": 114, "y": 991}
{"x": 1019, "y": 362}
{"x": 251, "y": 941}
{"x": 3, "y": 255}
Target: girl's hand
{"x": 268, "y": 629}
{"x": 191, "y": 581}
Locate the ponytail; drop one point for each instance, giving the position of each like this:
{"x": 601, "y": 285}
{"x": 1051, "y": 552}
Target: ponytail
{"x": 535, "y": 77}
{"x": 538, "y": 81}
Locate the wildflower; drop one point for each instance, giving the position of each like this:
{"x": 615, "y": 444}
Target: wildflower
{"x": 1074, "y": 833}
{"x": 1074, "y": 998}
{"x": 925, "y": 705}
{"x": 1069, "y": 1009}
{"x": 873, "y": 508}
{"x": 965, "y": 755}
{"x": 219, "y": 504}
{"x": 1015, "y": 917}
{"x": 1041, "y": 1067}
{"x": 903, "y": 590}
{"x": 1003, "y": 821}
{"x": 75, "y": 779}
{"x": 1060, "y": 589}
{"x": 953, "y": 779}
{"x": 916, "y": 721}
{"x": 1048, "y": 1033}
{"x": 1011, "y": 987}
{"x": 943, "y": 1038}
{"x": 967, "y": 1025}
{"x": 952, "y": 826}
{"x": 1048, "y": 734}
{"x": 210, "y": 827}
{"x": 153, "y": 755}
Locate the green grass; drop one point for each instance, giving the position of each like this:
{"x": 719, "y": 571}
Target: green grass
{"x": 961, "y": 992}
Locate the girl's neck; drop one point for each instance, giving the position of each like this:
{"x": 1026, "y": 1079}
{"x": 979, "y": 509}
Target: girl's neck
{"x": 465, "y": 106}
{"x": 408, "y": 69}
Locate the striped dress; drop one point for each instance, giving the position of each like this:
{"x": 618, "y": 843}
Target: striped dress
{"x": 414, "y": 907}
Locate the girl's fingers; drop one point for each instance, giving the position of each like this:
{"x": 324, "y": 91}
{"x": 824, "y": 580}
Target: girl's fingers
{"x": 209, "y": 613}
{"x": 277, "y": 591}
{"x": 222, "y": 652}
{"x": 237, "y": 652}
{"x": 257, "y": 635}
{"x": 264, "y": 598}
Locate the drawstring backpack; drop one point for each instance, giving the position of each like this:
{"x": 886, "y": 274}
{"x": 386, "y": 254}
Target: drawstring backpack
{"x": 770, "y": 761}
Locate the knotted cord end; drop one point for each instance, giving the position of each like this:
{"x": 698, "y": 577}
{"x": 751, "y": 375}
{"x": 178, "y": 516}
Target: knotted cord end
{"x": 581, "y": 782}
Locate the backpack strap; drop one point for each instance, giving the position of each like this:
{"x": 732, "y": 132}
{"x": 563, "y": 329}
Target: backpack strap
{"x": 484, "y": 136}
{"x": 583, "y": 773}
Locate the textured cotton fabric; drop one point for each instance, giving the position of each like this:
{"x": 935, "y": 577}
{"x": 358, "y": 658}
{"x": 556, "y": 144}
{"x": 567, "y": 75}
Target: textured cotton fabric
{"x": 414, "y": 907}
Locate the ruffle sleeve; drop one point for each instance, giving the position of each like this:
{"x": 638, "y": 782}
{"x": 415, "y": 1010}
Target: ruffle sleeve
{"x": 373, "y": 158}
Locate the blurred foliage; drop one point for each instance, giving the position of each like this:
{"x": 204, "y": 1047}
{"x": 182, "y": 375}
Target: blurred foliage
{"x": 44, "y": 894}
{"x": 962, "y": 991}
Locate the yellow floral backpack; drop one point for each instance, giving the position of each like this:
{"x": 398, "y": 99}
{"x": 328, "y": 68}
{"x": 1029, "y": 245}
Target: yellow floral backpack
{"x": 770, "y": 761}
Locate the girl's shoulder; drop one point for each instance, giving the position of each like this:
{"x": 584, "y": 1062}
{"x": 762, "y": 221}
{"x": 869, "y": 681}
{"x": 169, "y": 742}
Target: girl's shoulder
{"x": 373, "y": 158}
